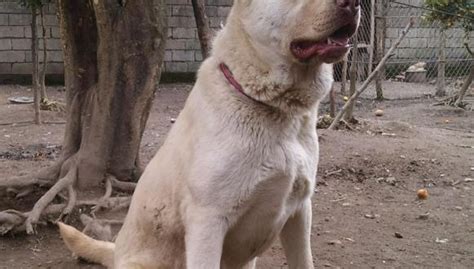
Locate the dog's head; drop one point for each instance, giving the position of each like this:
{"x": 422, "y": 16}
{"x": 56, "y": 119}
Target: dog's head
{"x": 301, "y": 31}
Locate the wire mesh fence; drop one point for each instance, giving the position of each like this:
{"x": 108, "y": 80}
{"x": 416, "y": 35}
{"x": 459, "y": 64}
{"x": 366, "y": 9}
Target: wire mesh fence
{"x": 428, "y": 54}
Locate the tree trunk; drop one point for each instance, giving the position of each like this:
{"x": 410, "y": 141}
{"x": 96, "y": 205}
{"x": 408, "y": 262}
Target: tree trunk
{"x": 42, "y": 77}
{"x": 113, "y": 52}
{"x": 441, "y": 81}
{"x": 202, "y": 23}
{"x": 380, "y": 32}
{"x": 35, "y": 73}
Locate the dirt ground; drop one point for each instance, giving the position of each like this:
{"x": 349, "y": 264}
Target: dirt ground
{"x": 365, "y": 210}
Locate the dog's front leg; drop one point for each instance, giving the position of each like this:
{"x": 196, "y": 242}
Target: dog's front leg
{"x": 295, "y": 238}
{"x": 204, "y": 239}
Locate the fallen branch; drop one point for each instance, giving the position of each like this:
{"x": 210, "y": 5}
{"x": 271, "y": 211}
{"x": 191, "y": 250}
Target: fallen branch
{"x": 372, "y": 75}
{"x": 332, "y": 173}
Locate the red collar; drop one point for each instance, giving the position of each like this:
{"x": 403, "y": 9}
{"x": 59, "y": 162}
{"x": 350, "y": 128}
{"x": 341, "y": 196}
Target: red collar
{"x": 232, "y": 81}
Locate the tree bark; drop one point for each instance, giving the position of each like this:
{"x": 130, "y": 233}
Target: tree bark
{"x": 113, "y": 51}
{"x": 35, "y": 73}
{"x": 202, "y": 24}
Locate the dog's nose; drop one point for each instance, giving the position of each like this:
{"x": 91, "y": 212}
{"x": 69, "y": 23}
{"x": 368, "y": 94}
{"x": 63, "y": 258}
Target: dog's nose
{"x": 350, "y": 6}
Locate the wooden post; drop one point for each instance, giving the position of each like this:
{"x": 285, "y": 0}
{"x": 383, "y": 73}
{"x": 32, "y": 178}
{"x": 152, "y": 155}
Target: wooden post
{"x": 332, "y": 102}
{"x": 380, "y": 31}
{"x": 344, "y": 75}
{"x": 35, "y": 60}
{"x": 353, "y": 76}
{"x": 441, "y": 81}
{"x": 372, "y": 35}
{"x": 42, "y": 77}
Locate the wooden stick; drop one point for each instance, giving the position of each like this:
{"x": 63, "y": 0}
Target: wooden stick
{"x": 371, "y": 76}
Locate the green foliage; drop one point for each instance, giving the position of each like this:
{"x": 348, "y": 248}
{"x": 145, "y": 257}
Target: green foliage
{"x": 451, "y": 13}
{"x": 35, "y": 4}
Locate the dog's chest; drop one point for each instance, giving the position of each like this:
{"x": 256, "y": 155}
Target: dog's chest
{"x": 304, "y": 163}
{"x": 290, "y": 171}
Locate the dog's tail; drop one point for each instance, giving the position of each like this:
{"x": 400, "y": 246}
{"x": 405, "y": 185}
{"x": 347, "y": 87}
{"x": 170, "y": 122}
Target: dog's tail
{"x": 92, "y": 250}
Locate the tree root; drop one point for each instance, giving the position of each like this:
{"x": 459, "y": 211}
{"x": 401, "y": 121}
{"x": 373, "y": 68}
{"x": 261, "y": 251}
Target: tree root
{"x": 121, "y": 185}
{"x": 70, "y": 203}
{"x": 103, "y": 200}
{"x": 15, "y": 221}
{"x": 95, "y": 227}
{"x": 11, "y": 220}
{"x": 45, "y": 177}
{"x": 116, "y": 203}
{"x": 48, "y": 197}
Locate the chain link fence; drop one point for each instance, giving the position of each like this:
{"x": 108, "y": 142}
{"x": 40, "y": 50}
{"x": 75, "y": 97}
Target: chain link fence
{"x": 428, "y": 54}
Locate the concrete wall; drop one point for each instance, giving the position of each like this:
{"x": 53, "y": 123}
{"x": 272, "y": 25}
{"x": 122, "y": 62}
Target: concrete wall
{"x": 15, "y": 39}
{"x": 422, "y": 42}
{"x": 183, "y": 53}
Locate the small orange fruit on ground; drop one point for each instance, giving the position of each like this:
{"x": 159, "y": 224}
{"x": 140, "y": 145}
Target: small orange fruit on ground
{"x": 422, "y": 194}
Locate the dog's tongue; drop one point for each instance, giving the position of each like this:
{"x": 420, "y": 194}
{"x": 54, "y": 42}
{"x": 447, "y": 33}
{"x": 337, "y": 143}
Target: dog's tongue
{"x": 332, "y": 47}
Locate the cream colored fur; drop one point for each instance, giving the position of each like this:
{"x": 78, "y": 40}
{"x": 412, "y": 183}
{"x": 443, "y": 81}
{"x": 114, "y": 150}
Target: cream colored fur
{"x": 233, "y": 174}
{"x": 84, "y": 246}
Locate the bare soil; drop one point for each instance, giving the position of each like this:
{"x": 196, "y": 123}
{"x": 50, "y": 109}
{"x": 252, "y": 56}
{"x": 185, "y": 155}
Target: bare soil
{"x": 365, "y": 209}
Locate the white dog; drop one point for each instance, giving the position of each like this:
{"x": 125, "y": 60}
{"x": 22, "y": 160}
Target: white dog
{"x": 238, "y": 167}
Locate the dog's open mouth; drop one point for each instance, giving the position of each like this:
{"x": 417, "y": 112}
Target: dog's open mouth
{"x": 333, "y": 47}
